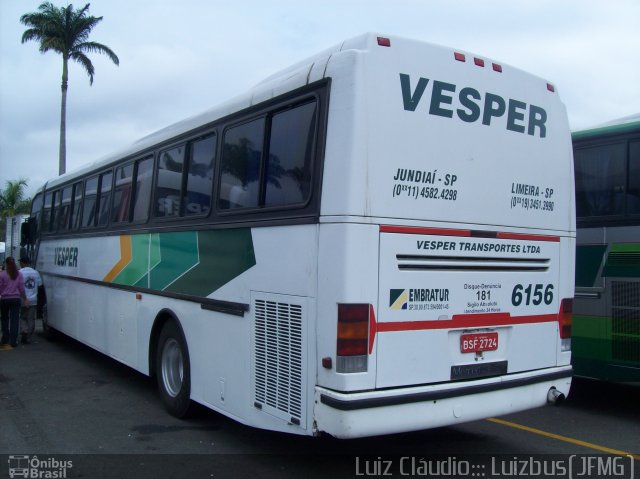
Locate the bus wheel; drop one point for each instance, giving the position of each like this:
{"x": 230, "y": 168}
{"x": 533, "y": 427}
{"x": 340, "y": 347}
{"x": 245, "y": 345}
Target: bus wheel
{"x": 173, "y": 372}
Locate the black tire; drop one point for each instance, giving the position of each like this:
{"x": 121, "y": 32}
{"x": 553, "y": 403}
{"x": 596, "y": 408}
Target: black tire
{"x": 173, "y": 370}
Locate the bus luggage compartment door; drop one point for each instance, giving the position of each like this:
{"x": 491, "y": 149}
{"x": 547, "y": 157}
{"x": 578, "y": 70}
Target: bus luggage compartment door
{"x": 454, "y": 306}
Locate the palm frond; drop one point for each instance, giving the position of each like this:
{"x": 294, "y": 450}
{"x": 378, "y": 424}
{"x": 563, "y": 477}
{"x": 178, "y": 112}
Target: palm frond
{"x": 84, "y": 61}
{"x": 94, "y": 47}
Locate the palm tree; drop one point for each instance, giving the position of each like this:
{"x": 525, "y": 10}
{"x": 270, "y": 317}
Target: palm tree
{"x": 12, "y": 200}
{"x": 65, "y": 31}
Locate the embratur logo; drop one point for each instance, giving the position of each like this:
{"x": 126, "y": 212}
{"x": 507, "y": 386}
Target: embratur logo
{"x": 398, "y": 299}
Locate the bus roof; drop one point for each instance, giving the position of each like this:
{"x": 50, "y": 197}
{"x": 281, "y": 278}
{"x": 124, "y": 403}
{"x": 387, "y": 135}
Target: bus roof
{"x": 296, "y": 76}
{"x": 613, "y": 127}
{"x": 260, "y": 92}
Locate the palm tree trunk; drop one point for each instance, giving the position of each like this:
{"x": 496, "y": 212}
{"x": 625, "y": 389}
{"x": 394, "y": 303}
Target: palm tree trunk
{"x": 63, "y": 118}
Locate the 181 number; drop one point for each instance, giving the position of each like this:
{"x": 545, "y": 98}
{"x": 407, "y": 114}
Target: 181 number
{"x": 532, "y": 294}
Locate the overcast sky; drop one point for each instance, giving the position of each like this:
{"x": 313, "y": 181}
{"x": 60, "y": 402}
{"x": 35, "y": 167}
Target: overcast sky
{"x": 178, "y": 58}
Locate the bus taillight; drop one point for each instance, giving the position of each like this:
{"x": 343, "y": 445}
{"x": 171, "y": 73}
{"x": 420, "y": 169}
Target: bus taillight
{"x": 564, "y": 320}
{"x": 353, "y": 337}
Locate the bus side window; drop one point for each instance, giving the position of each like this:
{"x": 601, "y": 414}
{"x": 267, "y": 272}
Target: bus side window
{"x": 197, "y": 199}
{"x": 122, "y": 194}
{"x": 62, "y": 214}
{"x": 240, "y": 165}
{"x": 169, "y": 183}
{"x": 142, "y": 193}
{"x": 55, "y": 216}
{"x": 633, "y": 196}
{"x": 291, "y": 146}
{"x": 600, "y": 180}
{"x": 89, "y": 204}
{"x": 104, "y": 198}
{"x": 46, "y": 214}
{"x": 36, "y": 208}
{"x": 75, "y": 208}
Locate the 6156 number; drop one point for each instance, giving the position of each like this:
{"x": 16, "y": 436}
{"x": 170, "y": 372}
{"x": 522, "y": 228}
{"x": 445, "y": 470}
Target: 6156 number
{"x": 532, "y": 294}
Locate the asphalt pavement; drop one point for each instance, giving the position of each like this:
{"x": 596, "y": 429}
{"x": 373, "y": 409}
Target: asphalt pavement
{"x": 62, "y": 401}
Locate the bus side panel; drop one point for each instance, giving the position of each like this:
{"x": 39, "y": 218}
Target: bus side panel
{"x": 605, "y": 342}
{"x": 347, "y": 273}
{"x": 273, "y": 262}
{"x": 105, "y": 320}
{"x": 346, "y": 154}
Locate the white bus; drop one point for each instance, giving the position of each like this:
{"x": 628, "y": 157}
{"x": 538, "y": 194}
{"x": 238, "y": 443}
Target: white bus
{"x": 385, "y": 243}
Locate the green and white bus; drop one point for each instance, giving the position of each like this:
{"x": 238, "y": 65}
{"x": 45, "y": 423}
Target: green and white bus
{"x": 606, "y": 325}
{"x": 378, "y": 239}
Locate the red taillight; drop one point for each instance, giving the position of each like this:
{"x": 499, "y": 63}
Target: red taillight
{"x": 497, "y": 67}
{"x": 459, "y": 56}
{"x": 384, "y": 42}
{"x": 479, "y": 62}
{"x": 353, "y": 329}
{"x": 550, "y": 87}
{"x": 564, "y": 317}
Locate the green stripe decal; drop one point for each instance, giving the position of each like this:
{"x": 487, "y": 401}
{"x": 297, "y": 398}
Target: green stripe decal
{"x": 178, "y": 253}
{"x": 194, "y": 263}
{"x": 224, "y": 255}
{"x": 626, "y": 248}
{"x": 139, "y": 264}
{"x": 623, "y": 261}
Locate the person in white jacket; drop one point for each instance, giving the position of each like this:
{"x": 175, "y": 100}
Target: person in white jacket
{"x": 32, "y": 281}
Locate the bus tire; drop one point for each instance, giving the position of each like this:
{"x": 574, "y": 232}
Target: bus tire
{"x": 173, "y": 371}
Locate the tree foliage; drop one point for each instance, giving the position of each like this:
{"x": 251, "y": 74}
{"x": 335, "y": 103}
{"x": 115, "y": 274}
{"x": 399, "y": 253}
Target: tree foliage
{"x": 13, "y": 202}
{"x": 12, "y": 199}
{"x": 65, "y": 30}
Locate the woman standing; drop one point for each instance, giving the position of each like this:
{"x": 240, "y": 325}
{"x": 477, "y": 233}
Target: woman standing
{"x": 11, "y": 291}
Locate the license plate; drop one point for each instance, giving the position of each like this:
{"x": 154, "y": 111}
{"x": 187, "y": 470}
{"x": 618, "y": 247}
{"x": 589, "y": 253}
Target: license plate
{"x": 478, "y": 342}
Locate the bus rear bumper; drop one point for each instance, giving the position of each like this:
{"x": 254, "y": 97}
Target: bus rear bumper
{"x": 370, "y": 413}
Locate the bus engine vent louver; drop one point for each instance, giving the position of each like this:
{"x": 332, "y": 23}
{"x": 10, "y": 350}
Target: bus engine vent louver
{"x": 279, "y": 358}
{"x": 470, "y": 263}
{"x": 625, "y": 334}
